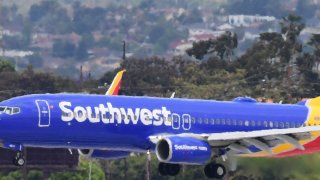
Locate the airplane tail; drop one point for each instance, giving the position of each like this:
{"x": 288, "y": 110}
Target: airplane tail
{"x": 116, "y": 83}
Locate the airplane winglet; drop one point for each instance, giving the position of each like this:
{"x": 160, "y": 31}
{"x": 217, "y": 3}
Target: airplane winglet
{"x": 116, "y": 83}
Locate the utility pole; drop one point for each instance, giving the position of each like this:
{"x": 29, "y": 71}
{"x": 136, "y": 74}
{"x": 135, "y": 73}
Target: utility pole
{"x": 148, "y": 166}
{"x": 24, "y": 168}
{"x": 124, "y": 50}
{"x": 125, "y": 169}
{"x": 81, "y": 74}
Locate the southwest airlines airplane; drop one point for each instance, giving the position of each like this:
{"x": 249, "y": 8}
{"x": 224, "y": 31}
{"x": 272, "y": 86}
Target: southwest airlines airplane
{"x": 178, "y": 131}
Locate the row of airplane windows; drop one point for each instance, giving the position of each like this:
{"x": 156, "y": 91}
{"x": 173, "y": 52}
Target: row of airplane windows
{"x": 251, "y": 123}
{"x": 217, "y": 121}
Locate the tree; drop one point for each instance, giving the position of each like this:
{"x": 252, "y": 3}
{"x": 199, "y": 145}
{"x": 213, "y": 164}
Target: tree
{"x": 200, "y": 49}
{"x": 314, "y": 42}
{"x": 35, "y": 60}
{"x": 86, "y": 20}
{"x": 222, "y": 47}
{"x": 63, "y": 49}
{"x": 143, "y": 74}
{"x": 26, "y": 34}
{"x": 81, "y": 52}
{"x": 13, "y": 42}
{"x": 193, "y": 17}
{"x": 225, "y": 44}
{"x": 259, "y": 62}
{"x": 38, "y": 11}
{"x": 291, "y": 27}
{"x": 33, "y": 82}
{"x": 88, "y": 39}
{"x": 51, "y": 16}
{"x": 6, "y": 66}
{"x": 162, "y": 34}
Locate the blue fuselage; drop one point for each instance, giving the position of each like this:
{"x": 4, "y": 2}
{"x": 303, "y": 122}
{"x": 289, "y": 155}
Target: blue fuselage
{"x": 126, "y": 123}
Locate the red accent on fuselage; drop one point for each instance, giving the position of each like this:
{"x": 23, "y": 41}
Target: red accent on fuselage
{"x": 312, "y": 147}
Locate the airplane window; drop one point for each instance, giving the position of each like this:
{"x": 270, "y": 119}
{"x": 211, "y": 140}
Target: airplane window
{"x": 259, "y": 123}
{"x": 218, "y": 121}
{"x": 271, "y": 124}
{"x": 200, "y": 121}
{"x": 234, "y": 122}
{"x": 212, "y": 121}
{"x": 265, "y": 123}
{"x": 246, "y": 123}
{"x": 240, "y": 123}
{"x": 298, "y": 125}
{"x": 193, "y": 120}
{"x": 104, "y": 116}
{"x": 281, "y": 125}
{"x": 287, "y": 125}
{"x": 123, "y": 117}
{"x": 276, "y": 124}
{"x": 2, "y": 108}
{"x": 223, "y": 121}
{"x": 292, "y": 125}
{"x": 253, "y": 123}
{"x": 228, "y": 121}
{"x": 170, "y": 119}
{"x": 206, "y": 121}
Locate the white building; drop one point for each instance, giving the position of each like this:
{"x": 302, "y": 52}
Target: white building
{"x": 182, "y": 48}
{"x": 246, "y": 20}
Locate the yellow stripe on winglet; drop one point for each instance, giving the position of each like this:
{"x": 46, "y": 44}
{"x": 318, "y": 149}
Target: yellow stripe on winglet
{"x": 115, "y": 82}
{"x": 314, "y": 109}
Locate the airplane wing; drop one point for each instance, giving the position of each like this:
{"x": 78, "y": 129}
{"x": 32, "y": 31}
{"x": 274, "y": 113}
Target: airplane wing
{"x": 268, "y": 141}
{"x": 115, "y": 85}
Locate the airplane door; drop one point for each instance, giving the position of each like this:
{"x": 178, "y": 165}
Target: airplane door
{"x": 175, "y": 121}
{"x": 186, "y": 122}
{"x": 44, "y": 113}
